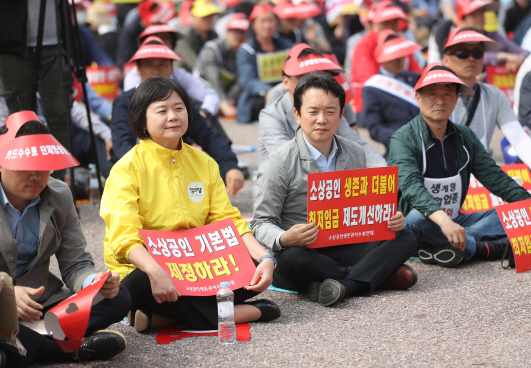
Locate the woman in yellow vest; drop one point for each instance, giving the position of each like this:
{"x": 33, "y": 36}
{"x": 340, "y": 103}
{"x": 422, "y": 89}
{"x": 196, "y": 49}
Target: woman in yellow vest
{"x": 149, "y": 189}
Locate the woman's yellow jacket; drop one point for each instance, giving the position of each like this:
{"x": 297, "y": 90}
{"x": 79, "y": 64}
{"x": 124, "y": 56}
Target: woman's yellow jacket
{"x": 156, "y": 188}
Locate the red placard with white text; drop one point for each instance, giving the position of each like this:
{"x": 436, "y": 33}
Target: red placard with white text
{"x": 199, "y": 259}
{"x": 104, "y": 80}
{"x": 498, "y": 76}
{"x": 516, "y": 220}
{"x": 479, "y": 198}
{"x": 352, "y": 206}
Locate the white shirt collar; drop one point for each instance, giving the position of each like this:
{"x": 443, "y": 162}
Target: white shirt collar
{"x": 316, "y": 154}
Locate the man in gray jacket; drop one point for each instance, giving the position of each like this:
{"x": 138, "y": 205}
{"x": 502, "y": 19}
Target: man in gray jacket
{"x": 38, "y": 220}
{"x": 277, "y": 123}
{"x": 280, "y": 218}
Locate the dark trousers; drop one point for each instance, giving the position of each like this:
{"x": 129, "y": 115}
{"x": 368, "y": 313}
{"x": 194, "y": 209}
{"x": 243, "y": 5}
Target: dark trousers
{"x": 102, "y": 315}
{"x": 370, "y": 262}
{"x": 82, "y": 151}
{"x": 196, "y": 312}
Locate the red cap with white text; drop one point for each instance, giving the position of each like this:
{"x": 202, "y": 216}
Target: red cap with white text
{"x": 32, "y": 152}
{"x": 463, "y": 35}
{"x": 438, "y": 73}
{"x": 308, "y": 63}
{"x": 152, "y": 48}
{"x": 391, "y": 46}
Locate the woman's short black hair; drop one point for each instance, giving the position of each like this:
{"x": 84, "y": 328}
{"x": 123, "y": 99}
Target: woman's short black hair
{"x": 152, "y": 90}
{"x": 319, "y": 80}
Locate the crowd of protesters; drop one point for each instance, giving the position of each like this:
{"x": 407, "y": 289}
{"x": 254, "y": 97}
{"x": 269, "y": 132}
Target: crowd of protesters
{"x": 311, "y": 74}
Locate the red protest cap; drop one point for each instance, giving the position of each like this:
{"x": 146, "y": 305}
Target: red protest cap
{"x": 231, "y": 3}
{"x": 386, "y": 12}
{"x": 260, "y": 10}
{"x": 287, "y": 9}
{"x": 308, "y": 63}
{"x": 152, "y": 48}
{"x": 394, "y": 48}
{"x": 159, "y": 28}
{"x": 345, "y": 83}
{"x": 32, "y": 152}
{"x": 238, "y": 22}
{"x": 437, "y": 73}
{"x": 465, "y": 7}
{"x": 14, "y": 122}
{"x": 156, "y": 11}
{"x": 460, "y": 35}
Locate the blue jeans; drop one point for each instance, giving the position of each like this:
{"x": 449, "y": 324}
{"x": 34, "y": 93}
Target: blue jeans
{"x": 478, "y": 226}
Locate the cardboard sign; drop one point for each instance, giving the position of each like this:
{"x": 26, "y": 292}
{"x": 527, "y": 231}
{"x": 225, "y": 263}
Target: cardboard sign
{"x": 169, "y": 334}
{"x": 479, "y": 198}
{"x": 516, "y": 220}
{"x": 199, "y": 259}
{"x": 270, "y": 66}
{"x": 352, "y": 206}
{"x": 498, "y": 76}
{"x": 104, "y": 80}
{"x": 67, "y": 322}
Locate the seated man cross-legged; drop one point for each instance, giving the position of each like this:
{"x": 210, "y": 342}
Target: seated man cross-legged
{"x": 435, "y": 158}
{"x": 280, "y": 222}
{"x": 38, "y": 220}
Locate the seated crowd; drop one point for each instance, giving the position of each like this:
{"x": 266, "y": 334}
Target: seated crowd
{"x": 312, "y": 75}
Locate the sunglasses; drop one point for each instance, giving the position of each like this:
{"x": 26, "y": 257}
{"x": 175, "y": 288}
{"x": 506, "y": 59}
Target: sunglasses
{"x": 465, "y": 54}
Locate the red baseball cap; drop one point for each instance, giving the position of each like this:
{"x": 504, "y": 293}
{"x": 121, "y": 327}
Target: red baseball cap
{"x": 259, "y": 10}
{"x": 309, "y": 63}
{"x": 156, "y": 11}
{"x": 437, "y": 73}
{"x": 159, "y": 28}
{"x": 32, "y": 152}
{"x": 387, "y": 11}
{"x": 153, "y": 47}
{"x": 230, "y": 3}
{"x": 459, "y": 35}
{"x": 286, "y": 9}
{"x": 465, "y": 7}
{"x": 394, "y": 48}
{"x": 238, "y": 22}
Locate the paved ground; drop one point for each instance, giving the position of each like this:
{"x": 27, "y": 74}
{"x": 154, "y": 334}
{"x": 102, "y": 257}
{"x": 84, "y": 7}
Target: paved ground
{"x": 475, "y": 315}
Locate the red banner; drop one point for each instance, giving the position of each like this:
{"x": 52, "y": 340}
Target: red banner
{"x": 104, "y": 80}
{"x": 498, "y": 76}
{"x": 516, "y": 221}
{"x": 352, "y": 206}
{"x": 199, "y": 259}
{"x": 479, "y": 198}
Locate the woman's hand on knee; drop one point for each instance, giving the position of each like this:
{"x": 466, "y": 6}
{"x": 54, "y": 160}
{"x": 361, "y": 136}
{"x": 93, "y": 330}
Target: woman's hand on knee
{"x": 162, "y": 287}
{"x": 263, "y": 276}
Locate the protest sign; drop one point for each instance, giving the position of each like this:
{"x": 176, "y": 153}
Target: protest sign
{"x": 516, "y": 220}
{"x": 67, "y": 322}
{"x": 270, "y": 66}
{"x": 352, "y": 206}
{"x": 498, "y": 76}
{"x": 479, "y": 198}
{"x": 199, "y": 259}
{"x": 104, "y": 80}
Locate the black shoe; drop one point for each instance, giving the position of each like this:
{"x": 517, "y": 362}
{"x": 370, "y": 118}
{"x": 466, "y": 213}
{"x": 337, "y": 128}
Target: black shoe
{"x": 270, "y": 311}
{"x": 3, "y": 360}
{"x": 445, "y": 256}
{"x": 331, "y": 292}
{"x": 313, "y": 291}
{"x": 495, "y": 248}
{"x": 101, "y": 345}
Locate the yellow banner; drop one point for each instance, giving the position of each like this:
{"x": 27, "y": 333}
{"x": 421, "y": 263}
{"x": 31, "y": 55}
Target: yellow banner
{"x": 270, "y": 66}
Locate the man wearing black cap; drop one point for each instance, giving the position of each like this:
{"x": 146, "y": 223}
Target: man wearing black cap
{"x": 435, "y": 158}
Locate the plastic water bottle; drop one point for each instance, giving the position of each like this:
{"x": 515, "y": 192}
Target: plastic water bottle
{"x": 94, "y": 188}
{"x": 226, "y": 326}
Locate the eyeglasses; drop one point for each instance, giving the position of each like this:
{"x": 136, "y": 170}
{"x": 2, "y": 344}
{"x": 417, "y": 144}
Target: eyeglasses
{"x": 465, "y": 54}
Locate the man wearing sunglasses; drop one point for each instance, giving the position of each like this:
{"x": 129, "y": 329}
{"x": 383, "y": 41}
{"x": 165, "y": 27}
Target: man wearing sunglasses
{"x": 488, "y": 107}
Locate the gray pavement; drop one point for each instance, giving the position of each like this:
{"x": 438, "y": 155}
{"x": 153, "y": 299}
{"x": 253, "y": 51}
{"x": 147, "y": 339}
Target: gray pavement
{"x": 474, "y": 315}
